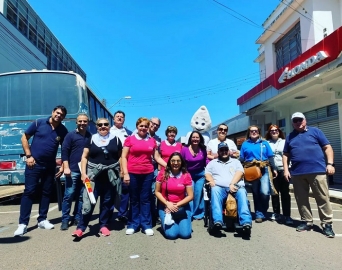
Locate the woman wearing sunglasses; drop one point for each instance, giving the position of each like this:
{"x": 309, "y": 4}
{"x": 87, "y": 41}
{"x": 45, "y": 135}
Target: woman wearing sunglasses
{"x": 256, "y": 151}
{"x": 276, "y": 139}
{"x": 100, "y": 164}
{"x": 169, "y": 146}
{"x": 174, "y": 192}
{"x": 222, "y": 131}
{"x": 138, "y": 170}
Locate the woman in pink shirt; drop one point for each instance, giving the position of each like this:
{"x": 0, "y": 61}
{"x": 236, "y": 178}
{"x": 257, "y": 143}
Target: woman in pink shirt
{"x": 174, "y": 192}
{"x": 138, "y": 172}
{"x": 169, "y": 146}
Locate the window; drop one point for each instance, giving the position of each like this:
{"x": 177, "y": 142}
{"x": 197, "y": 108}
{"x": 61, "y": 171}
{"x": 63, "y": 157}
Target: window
{"x": 92, "y": 108}
{"x": 12, "y": 12}
{"x": 321, "y": 113}
{"x": 23, "y": 24}
{"x": 289, "y": 47}
{"x": 281, "y": 123}
{"x": 33, "y": 35}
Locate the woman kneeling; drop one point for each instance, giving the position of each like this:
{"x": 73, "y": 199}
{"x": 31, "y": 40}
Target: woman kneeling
{"x": 174, "y": 192}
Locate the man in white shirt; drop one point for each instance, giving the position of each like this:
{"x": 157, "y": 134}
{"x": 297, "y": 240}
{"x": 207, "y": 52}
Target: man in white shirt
{"x": 222, "y": 131}
{"x": 122, "y": 133}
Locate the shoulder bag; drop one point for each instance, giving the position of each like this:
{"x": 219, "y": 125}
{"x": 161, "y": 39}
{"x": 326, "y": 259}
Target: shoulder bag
{"x": 181, "y": 213}
{"x": 254, "y": 172}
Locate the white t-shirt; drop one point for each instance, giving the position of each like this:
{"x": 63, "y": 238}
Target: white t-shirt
{"x": 213, "y": 144}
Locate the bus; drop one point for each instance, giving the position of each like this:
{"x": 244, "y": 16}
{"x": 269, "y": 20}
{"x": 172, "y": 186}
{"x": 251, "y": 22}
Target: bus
{"x": 28, "y": 95}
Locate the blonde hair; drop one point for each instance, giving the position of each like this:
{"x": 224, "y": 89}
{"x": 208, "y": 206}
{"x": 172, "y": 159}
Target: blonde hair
{"x": 142, "y": 119}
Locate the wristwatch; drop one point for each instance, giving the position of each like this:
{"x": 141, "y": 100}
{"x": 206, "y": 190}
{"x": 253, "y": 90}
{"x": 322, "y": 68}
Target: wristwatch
{"x": 28, "y": 156}
{"x": 332, "y": 164}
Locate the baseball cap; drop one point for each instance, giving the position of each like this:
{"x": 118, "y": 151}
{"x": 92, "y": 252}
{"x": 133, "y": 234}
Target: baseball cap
{"x": 222, "y": 145}
{"x": 298, "y": 115}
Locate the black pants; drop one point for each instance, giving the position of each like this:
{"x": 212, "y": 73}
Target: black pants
{"x": 282, "y": 187}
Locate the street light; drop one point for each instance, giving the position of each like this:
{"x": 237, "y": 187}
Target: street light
{"x": 126, "y": 97}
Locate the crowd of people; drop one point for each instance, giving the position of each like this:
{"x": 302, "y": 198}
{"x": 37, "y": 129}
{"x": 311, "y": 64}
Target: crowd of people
{"x": 149, "y": 180}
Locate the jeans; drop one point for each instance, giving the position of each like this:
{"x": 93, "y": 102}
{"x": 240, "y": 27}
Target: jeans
{"x": 261, "y": 189}
{"x": 106, "y": 191}
{"x": 154, "y": 210}
{"x": 124, "y": 204}
{"x": 218, "y": 197}
{"x": 197, "y": 204}
{"x": 139, "y": 214}
{"x": 32, "y": 176}
{"x": 282, "y": 186}
{"x": 179, "y": 229}
{"x": 73, "y": 187}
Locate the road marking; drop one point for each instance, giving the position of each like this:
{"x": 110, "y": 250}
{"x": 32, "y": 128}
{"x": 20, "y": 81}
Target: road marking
{"x": 317, "y": 219}
{"x": 295, "y": 208}
{"x": 12, "y": 212}
{"x": 50, "y": 209}
{"x": 338, "y": 234}
{"x": 3, "y": 229}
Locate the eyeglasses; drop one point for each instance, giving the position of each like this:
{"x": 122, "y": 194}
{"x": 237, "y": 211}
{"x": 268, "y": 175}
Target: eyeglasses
{"x": 82, "y": 121}
{"x": 296, "y": 120}
{"x": 173, "y": 161}
{"x": 274, "y": 130}
{"x": 254, "y": 131}
{"x": 223, "y": 129}
{"x": 103, "y": 124}
{"x": 155, "y": 124}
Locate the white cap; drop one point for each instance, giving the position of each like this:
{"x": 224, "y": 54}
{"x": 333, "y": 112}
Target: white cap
{"x": 298, "y": 115}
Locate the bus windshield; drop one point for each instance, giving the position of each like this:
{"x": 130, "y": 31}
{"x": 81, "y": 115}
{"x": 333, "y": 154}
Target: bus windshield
{"x": 34, "y": 94}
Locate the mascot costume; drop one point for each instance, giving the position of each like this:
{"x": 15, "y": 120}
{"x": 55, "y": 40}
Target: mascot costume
{"x": 201, "y": 122}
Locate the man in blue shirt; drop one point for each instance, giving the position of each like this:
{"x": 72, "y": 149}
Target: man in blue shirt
{"x": 305, "y": 147}
{"x": 48, "y": 134}
{"x": 72, "y": 151}
{"x": 224, "y": 175}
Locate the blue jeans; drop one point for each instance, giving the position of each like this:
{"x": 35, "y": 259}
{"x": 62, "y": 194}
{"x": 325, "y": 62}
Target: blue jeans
{"x": 261, "y": 194}
{"x": 197, "y": 204}
{"x": 32, "y": 177}
{"x": 73, "y": 187}
{"x": 106, "y": 191}
{"x": 218, "y": 197}
{"x": 124, "y": 204}
{"x": 140, "y": 191}
{"x": 154, "y": 210}
{"x": 179, "y": 229}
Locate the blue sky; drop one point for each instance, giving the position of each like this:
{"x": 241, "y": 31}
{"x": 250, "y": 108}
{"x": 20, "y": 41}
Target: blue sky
{"x": 170, "y": 56}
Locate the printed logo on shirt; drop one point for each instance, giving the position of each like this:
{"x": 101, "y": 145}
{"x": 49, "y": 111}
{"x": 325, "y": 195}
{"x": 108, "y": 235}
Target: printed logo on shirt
{"x": 232, "y": 170}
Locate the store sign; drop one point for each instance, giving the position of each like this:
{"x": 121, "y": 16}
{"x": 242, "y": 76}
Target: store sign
{"x": 313, "y": 60}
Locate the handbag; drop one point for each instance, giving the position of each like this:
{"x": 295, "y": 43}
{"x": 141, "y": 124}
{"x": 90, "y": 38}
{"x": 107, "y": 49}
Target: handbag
{"x": 254, "y": 172}
{"x": 231, "y": 207}
{"x": 181, "y": 213}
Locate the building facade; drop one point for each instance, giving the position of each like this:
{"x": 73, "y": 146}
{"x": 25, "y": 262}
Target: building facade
{"x": 300, "y": 59}
{"x": 27, "y": 43}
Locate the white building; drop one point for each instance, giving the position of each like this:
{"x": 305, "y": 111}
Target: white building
{"x": 26, "y": 42}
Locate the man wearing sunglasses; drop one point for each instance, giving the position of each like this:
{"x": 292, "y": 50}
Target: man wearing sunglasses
{"x": 312, "y": 158}
{"x": 224, "y": 175}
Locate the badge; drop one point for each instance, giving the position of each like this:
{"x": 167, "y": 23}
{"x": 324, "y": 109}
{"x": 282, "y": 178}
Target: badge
{"x": 58, "y": 138}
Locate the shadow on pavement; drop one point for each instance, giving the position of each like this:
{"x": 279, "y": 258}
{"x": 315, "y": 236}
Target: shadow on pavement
{"x": 14, "y": 240}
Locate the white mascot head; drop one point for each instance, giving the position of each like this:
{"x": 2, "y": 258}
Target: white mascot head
{"x": 201, "y": 122}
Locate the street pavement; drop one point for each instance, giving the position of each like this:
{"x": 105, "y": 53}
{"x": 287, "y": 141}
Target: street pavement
{"x": 271, "y": 246}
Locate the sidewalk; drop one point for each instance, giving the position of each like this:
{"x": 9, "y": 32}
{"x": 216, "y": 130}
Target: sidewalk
{"x": 335, "y": 192}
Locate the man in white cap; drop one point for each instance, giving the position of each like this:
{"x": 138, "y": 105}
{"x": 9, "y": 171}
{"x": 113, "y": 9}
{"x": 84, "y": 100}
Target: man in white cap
{"x": 306, "y": 147}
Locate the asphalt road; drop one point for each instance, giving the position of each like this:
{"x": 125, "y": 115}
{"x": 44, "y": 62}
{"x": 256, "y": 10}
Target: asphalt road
{"x": 271, "y": 246}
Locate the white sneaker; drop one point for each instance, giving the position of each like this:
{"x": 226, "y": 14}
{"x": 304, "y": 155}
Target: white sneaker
{"x": 130, "y": 231}
{"x": 149, "y": 232}
{"x": 275, "y": 217}
{"x": 45, "y": 224}
{"x": 22, "y": 229}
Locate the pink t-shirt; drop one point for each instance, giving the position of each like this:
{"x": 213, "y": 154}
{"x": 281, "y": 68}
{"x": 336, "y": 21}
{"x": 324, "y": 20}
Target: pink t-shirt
{"x": 140, "y": 154}
{"x": 166, "y": 149}
{"x": 176, "y": 186}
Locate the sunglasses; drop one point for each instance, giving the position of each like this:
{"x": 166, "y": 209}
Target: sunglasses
{"x": 296, "y": 120}
{"x": 274, "y": 130}
{"x": 223, "y": 150}
{"x": 254, "y": 131}
{"x": 103, "y": 124}
{"x": 223, "y": 129}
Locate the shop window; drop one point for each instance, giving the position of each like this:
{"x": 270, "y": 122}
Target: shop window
{"x": 289, "y": 47}
{"x": 281, "y": 123}
{"x": 321, "y": 113}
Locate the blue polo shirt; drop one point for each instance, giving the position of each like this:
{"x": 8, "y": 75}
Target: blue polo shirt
{"x": 72, "y": 148}
{"x": 251, "y": 150}
{"x": 305, "y": 151}
{"x": 45, "y": 141}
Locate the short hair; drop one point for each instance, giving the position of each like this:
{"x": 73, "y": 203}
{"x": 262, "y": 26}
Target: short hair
{"x": 101, "y": 119}
{"x": 142, "y": 119}
{"x": 268, "y": 134}
{"x": 222, "y": 124}
{"x": 157, "y": 119}
{"x": 170, "y": 129}
{"x": 248, "y": 130}
{"x": 82, "y": 114}
{"x": 124, "y": 115}
{"x": 62, "y": 108}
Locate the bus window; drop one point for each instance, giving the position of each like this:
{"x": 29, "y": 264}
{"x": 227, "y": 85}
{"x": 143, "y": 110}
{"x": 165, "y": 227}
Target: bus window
{"x": 98, "y": 109}
{"x": 92, "y": 108}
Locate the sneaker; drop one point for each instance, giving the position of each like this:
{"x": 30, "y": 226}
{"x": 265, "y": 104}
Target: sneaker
{"x": 64, "y": 226}
{"x": 123, "y": 219}
{"x": 104, "y": 231}
{"x": 328, "y": 231}
{"x": 22, "y": 229}
{"x": 288, "y": 221}
{"x": 217, "y": 227}
{"x": 258, "y": 220}
{"x": 275, "y": 217}
{"x": 78, "y": 233}
{"x": 304, "y": 227}
{"x": 246, "y": 228}
{"x": 45, "y": 224}
{"x": 130, "y": 231}
{"x": 148, "y": 232}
